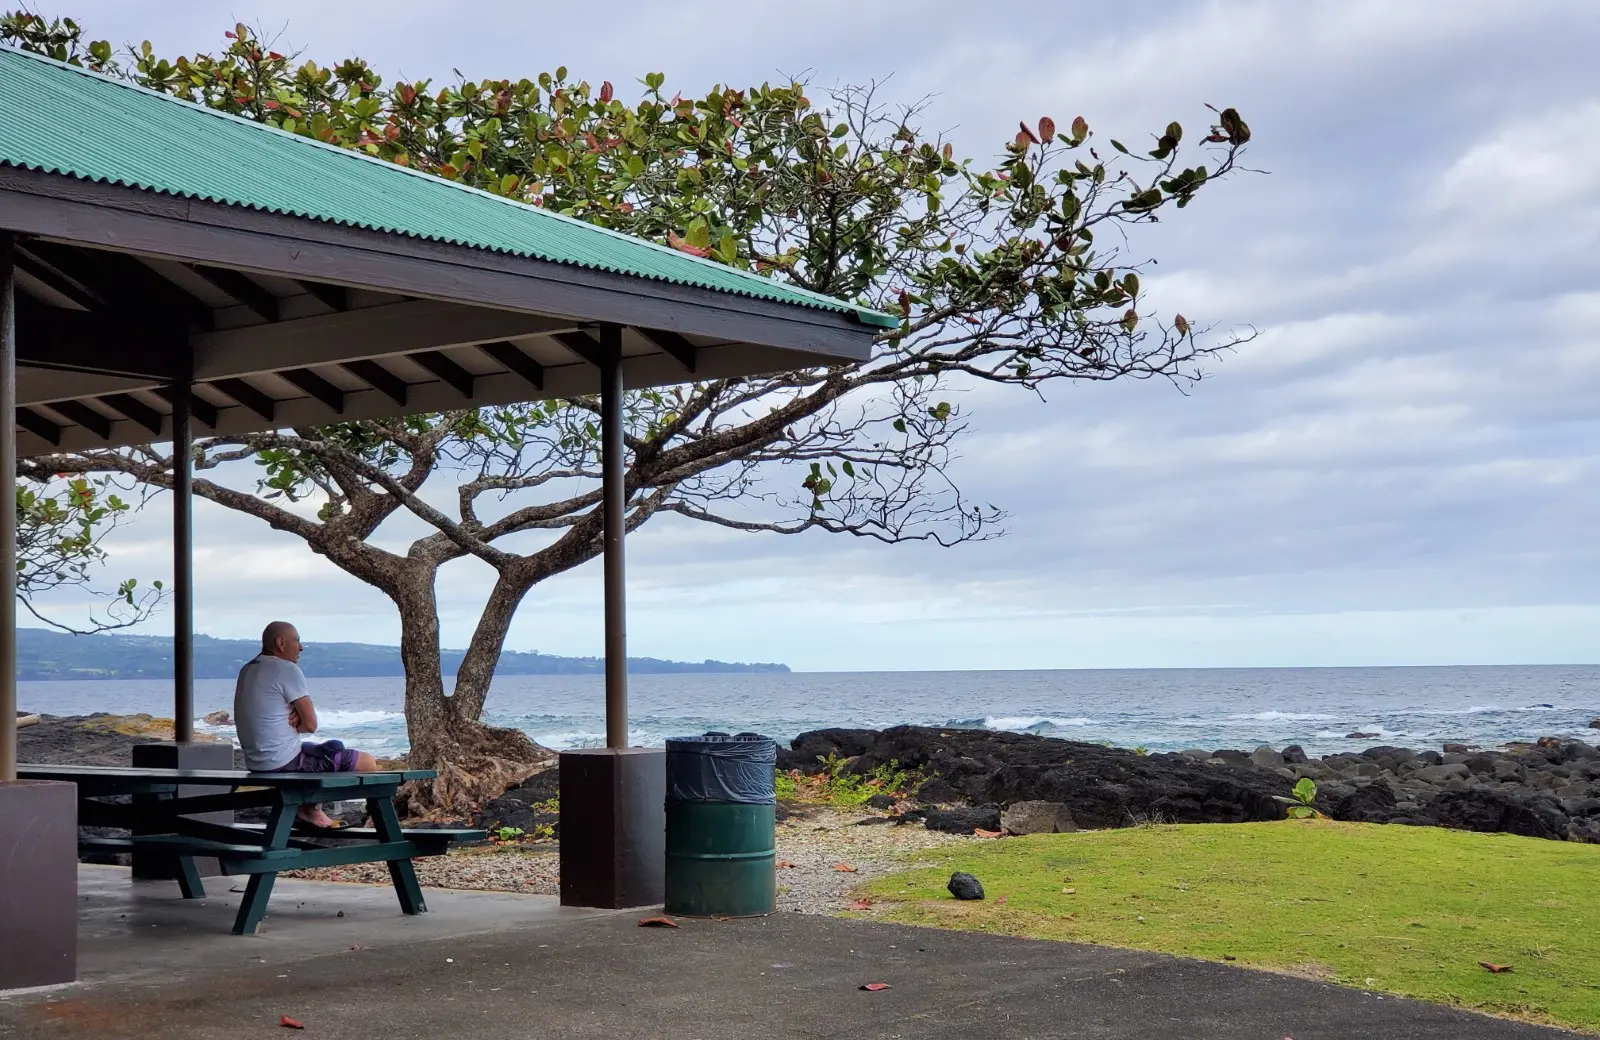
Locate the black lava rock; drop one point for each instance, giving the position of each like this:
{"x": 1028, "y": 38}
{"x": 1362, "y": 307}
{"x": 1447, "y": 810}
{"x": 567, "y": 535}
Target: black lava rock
{"x": 965, "y": 886}
{"x": 1532, "y": 816}
{"x": 964, "y": 820}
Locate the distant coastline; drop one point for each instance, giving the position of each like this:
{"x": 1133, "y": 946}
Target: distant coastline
{"x": 44, "y": 655}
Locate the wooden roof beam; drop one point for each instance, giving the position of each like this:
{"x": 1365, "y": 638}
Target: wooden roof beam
{"x": 257, "y": 300}
{"x": 516, "y": 362}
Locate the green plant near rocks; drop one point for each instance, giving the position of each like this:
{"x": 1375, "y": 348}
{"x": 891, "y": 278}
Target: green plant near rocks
{"x": 509, "y": 833}
{"x": 837, "y": 786}
{"x": 1300, "y": 803}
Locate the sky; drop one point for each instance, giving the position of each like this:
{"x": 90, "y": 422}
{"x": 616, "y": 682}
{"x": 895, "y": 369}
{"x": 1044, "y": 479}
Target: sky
{"x": 1399, "y": 469}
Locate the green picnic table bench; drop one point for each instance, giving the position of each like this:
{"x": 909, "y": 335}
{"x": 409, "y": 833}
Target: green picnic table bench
{"x": 159, "y": 816}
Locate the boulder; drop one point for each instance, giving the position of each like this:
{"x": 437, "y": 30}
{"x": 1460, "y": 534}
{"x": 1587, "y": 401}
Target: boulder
{"x": 963, "y": 820}
{"x": 1374, "y": 803}
{"x": 1267, "y": 758}
{"x": 937, "y": 791}
{"x": 964, "y": 886}
{"x": 1295, "y": 755}
{"x": 529, "y": 806}
{"x": 1035, "y": 817}
{"x": 1531, "y": 816}
{"x": 217, "y": 718}
{"x": 1441, "y": 773}
{"x": 1594, "y": 723}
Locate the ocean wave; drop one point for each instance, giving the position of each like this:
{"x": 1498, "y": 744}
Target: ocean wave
{"x": 1282, "y": 716}
{"x": 352, "y": 719}
{"x": 1025, "y": 723}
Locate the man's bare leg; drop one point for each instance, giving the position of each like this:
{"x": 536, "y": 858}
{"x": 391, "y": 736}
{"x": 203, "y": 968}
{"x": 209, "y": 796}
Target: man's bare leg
{"x": 314, "y": 815}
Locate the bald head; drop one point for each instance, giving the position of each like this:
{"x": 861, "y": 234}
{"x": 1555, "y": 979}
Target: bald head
{"x": 280, "y": 639}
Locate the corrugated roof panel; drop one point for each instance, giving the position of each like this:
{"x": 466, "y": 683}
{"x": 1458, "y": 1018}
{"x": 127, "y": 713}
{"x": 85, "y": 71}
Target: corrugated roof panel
{"x": 61, "y": 119}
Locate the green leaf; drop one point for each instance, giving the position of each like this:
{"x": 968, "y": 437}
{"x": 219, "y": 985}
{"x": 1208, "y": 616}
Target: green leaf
{"x": 900, "y": 426}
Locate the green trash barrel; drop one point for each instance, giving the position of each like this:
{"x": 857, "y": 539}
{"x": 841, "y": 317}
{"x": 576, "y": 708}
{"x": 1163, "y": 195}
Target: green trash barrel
{"x": 721, "y": 832}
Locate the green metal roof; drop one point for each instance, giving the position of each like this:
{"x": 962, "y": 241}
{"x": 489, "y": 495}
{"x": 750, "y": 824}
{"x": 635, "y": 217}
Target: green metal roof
{"x": 62, "y": 119}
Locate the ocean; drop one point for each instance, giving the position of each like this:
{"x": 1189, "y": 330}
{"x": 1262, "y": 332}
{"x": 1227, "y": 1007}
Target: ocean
{"x": 1158, "y": 709}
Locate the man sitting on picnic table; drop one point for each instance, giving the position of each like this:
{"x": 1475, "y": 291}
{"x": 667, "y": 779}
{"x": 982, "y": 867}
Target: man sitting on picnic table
{"x": 272, "y": 709}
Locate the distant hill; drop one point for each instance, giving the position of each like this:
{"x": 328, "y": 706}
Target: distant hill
{"x": 46, "y": 654}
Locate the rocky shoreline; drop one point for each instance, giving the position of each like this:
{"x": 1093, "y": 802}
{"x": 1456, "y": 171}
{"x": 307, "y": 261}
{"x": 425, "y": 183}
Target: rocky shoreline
{"x": 968, "y": 780}
{"x": 1020, "y": 783}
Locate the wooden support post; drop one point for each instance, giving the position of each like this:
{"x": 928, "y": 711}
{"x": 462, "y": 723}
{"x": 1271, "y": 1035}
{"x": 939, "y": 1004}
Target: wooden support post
{"x": 182, "y": 563}
{"x": 614, "y": 500}
{"x": 8, "y": 510}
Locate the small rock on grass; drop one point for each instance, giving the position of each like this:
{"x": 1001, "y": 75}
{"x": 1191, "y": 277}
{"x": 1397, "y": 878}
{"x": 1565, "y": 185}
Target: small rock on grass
{"x": 964, "y": 886}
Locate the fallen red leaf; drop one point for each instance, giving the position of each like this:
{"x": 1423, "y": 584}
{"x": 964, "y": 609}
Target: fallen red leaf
{"x": 875, "y": 987}
{"x": 1495, "y": 969}
{"x": 288, "y": 1023}
{"x": 844, "y": 868}
{"x": 1000, "y": 902}
{"x": 657, "y": 922}
{"x": 980, "y": 832}
{"x": 784, "y": 864}
{"x": 861, "y": 904}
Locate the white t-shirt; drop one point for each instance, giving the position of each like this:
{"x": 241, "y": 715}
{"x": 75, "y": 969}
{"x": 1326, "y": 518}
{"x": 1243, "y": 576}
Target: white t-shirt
{"x": 261, "y": 699}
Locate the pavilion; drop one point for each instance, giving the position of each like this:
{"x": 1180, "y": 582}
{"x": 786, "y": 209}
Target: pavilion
{"x": 167, "y": 270}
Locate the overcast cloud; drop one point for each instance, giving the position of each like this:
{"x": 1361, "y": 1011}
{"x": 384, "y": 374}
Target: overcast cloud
{"x": 1400, "y": 469}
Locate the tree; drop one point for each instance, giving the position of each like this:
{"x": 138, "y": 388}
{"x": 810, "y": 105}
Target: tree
{"x": 1000, "y": 274}
{"x": 61, "y": 524}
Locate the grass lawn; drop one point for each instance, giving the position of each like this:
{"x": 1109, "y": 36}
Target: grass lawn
{"x": 1403, "y": 910}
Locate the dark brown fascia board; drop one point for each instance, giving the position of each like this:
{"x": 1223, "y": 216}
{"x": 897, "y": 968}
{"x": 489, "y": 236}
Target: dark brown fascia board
{"x": 106, "y": 216}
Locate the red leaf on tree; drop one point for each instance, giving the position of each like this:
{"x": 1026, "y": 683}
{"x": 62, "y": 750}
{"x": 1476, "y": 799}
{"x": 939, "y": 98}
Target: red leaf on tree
{"x": 605, "y": 92}
{"x": 684, "y": 246}
{"x": 624, "y": 207}
{"x": 274, "y": 55}
{"x": 288, "y": 1023}
{"x": 1047, "y": 129}
{"x": 1026, "y": 133}
{"x": 408, "y": 93}
{"x": 591, "y": 140}
{"x": 1080, "y": 128}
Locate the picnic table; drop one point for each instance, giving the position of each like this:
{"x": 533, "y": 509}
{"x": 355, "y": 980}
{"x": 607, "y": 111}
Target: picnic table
{"x": 158, "y": 815}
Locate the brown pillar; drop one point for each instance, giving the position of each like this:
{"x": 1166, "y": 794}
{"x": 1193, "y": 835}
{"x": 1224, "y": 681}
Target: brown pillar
{"x": 614, "y": 498}
{"x": 182, "y": 564}
{"x": 8, "y": 511}
{"x": 38, "y": 820}
{"x": 613, "y": 815}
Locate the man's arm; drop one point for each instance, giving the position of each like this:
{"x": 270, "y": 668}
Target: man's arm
{"x": 303, "y": 715}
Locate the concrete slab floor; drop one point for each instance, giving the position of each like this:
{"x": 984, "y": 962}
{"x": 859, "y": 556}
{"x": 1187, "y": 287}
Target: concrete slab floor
{"x": 132, "y": 930}
{"x": 500, "y": 967}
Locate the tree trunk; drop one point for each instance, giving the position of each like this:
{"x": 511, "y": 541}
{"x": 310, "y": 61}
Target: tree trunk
{"x": 475, "y": 763}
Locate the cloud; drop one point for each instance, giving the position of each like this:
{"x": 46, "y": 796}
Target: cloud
{"x": 1410, "y": 437}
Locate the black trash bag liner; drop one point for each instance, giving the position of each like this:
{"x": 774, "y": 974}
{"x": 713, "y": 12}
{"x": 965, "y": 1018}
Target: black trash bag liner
{"x": 719, "y": 768}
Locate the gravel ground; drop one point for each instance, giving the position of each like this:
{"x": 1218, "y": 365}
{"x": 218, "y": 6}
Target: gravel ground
{"x": 809, "y": 846}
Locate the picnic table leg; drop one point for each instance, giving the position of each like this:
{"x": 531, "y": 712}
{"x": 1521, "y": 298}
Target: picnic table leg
{"x": 259, "y": 889}
{"x": 189, "y": 882}
{"x": 401, "y": 871}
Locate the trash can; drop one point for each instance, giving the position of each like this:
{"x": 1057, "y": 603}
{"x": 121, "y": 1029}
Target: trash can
{"x": 721, "y": 833}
